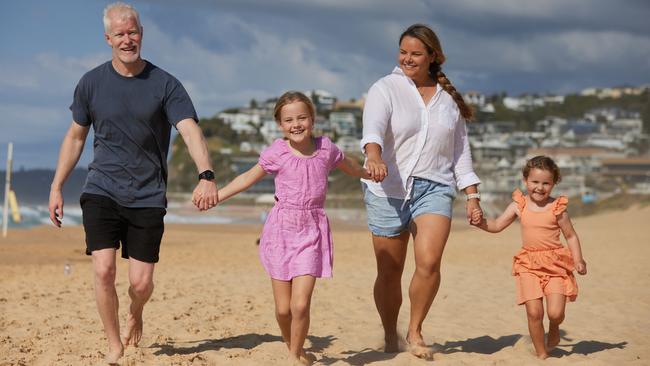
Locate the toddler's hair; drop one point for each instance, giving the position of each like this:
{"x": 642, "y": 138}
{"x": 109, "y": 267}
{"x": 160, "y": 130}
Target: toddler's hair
{"x": 544, "y": 163}
{"x": 290, "y": 97}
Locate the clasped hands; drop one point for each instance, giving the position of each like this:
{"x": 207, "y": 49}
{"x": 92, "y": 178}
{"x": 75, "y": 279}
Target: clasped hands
{"x": 205, "y": 195}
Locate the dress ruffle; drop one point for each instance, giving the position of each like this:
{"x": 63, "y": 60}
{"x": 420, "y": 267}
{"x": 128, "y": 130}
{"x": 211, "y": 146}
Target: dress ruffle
{"x": 560, "y": 205}
{"x": 545, "y": 264}
{"x": 520, "y": 199}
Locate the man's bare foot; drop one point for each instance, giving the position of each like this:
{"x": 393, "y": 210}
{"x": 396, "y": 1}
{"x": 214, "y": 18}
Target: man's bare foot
{"x": 113, "y": 357}
{"x": 553, "y": 338}
{"x": 133, "y": 332}
{"x": 392, "y": 343}
{"x": 418, "y": 348}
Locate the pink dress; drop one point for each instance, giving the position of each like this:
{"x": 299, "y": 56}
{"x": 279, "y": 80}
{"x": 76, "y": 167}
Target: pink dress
{"x": 296, "y": 239}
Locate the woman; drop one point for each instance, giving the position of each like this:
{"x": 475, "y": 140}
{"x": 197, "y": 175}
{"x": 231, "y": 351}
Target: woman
{"x": 417, "y": 153}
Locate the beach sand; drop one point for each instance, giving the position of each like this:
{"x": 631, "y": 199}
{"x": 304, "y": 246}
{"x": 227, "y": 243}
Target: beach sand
{"x": 213, "y": 303}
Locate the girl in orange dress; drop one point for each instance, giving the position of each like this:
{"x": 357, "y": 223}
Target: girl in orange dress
{"x": 543, "y": 267}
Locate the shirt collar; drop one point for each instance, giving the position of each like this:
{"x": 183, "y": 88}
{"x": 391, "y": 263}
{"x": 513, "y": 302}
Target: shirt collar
{"x": 398, "y": 70}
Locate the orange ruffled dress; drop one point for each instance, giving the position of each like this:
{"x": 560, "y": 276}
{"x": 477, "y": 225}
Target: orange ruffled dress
{"x": 543, "y": 266}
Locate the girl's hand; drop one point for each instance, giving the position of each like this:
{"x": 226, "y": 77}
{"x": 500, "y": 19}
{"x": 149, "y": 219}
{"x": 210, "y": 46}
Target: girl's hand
{"x": 477, "y": 217}
{"x": 581, "y": 267}
{"x": 474, "y": 212}
{"x": 377, "y": 169}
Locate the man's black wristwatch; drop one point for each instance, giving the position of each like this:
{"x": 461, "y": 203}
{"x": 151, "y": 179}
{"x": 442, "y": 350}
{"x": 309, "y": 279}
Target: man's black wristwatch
{"x": 207, "y": 175}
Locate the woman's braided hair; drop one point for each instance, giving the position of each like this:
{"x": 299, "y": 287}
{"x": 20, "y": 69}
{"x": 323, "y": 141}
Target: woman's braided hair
{"x": 432, "y": 43}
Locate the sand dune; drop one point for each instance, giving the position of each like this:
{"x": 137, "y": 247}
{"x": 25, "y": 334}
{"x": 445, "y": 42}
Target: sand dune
{"x": 213, "y": 304}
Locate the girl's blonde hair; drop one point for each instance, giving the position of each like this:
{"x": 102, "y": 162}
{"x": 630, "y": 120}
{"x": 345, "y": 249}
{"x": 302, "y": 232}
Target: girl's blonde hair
{"x": 543, "y": 163}
{"x": 430, "y": 40}
{"x": 291, "y": 97}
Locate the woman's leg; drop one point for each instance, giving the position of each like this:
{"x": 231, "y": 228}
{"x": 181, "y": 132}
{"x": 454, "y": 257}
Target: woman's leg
{"x": 390, "y": 254}
{"x": 302, "y": 288}
{"x": 535, "y": 314}
{"x": 430, "y": 233}
{"x": 555, "y": 304}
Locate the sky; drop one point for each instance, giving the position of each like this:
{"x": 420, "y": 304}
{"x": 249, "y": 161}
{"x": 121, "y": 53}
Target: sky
{"x": 228, "y": 52}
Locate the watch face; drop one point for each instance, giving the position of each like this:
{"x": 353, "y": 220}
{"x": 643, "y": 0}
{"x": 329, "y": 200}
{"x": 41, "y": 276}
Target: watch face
{"x": 208, "y": 175}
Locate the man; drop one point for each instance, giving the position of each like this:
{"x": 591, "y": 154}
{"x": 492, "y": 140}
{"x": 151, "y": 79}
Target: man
{"x": 131, "y": 105}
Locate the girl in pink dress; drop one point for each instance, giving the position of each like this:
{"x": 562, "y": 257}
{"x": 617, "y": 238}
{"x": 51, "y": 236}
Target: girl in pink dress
{"x": 543, "y": 267}
{"x": 296, "y": 243}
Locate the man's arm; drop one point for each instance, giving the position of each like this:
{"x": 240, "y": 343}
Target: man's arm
{"x": 205, "y": 191}
{"x": 71, "y": 149}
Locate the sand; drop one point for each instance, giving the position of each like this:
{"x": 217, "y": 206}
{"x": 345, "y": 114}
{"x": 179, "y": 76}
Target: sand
{"x": 213, "y": 304}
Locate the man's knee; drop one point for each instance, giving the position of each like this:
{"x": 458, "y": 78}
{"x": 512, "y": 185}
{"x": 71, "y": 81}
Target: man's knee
{"x": 104, "y": 273}
{"x": 142, "y": 287}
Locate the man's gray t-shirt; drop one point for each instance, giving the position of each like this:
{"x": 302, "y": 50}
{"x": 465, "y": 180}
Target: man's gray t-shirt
{"x": 132, "y": 119}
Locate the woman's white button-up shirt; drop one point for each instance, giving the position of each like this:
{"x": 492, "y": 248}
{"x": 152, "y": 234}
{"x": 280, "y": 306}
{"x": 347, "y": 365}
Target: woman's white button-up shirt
{"x": 417, "y": 140}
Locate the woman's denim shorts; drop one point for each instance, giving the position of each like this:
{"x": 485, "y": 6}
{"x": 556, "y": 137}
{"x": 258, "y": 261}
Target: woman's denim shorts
{"x": 387, "y": 218}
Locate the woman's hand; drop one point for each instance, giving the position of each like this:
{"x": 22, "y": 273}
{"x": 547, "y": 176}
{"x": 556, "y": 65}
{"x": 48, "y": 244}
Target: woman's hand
{"x": 376, "y": 168}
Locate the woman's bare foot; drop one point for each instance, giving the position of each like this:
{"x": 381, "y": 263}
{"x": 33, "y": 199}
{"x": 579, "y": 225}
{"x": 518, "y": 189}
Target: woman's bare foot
{"x": 308, "y": 357}
{"x": 553, "y": 337}
{"x": 133, "y": 332}
{"x": 297, "y": 361}
{"x": 418, "y": 348}
{"x": 542, "y": 356}
{"x": 113, "y": 357}
{"x": 391, "y": 343}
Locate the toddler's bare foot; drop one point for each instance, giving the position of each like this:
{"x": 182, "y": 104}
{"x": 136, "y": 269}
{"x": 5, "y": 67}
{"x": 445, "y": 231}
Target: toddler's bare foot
{"x": 418, "y": 348}
{"x": 113, "y": 357}
{"x": 553, "y": 338}
{"x": 133, "y": 332}
{"x": 391, "y": 343}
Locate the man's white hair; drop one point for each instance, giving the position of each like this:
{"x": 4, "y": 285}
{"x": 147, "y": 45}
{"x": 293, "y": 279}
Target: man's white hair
{"x": 125, "y": 10}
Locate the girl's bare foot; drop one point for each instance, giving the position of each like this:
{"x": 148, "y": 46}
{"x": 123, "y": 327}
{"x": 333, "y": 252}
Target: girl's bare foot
{"x": 133, "y": 332}
{"x": 418, "y": 348}
{"x": 553, "y": 337}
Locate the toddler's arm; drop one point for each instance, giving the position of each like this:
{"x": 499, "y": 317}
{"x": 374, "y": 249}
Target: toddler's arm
{"x": 501, "y": 222}
{"x": 573, "y": 242}
{"x": 352, "y": 167}
{"x": 242, "y": 182}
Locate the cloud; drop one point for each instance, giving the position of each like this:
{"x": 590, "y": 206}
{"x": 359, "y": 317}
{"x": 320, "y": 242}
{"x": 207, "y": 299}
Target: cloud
{"x": 231, "y": 51}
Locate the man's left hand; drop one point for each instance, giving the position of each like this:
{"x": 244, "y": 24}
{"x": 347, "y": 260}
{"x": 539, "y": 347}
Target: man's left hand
{"x": 204, "y": 196}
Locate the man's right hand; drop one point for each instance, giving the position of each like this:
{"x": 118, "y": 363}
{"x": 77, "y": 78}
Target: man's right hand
{"x": 56, "y": 207}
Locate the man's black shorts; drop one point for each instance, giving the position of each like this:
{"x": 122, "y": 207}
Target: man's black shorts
{"x": 107, "y": 224}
